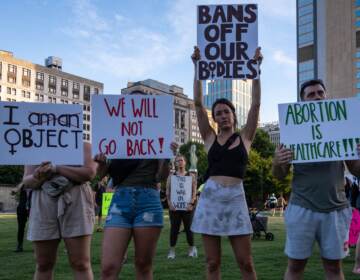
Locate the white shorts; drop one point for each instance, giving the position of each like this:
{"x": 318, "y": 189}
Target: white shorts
{"x": 304, "y": 227}
{"x": 222, "y": 211}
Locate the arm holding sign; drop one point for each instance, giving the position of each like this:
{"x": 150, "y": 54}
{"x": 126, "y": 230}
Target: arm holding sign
{"x": 249, "y": 130}
{"x": 82, "y": 173}
{"x": 281, "y": 162}
{"x": 193, "y": 194}
{"x": 354, "y": 165}
{"x": 168, "y": 194}
{"x": 206, "y": 131}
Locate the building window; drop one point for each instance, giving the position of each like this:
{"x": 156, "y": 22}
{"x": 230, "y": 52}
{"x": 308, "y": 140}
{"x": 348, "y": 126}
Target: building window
{"x": 8, "y": 90}
{"x": 86, "y": 93}
{"x": 0, "y": 70}
{"x": 39, "y": 82}
{"x": 13, "y": 91}
{"x": 76, "y": 90}
{"x": 26, "y": 77}
{"x": 11, "y": 74}
{"x": 64, "y": 87}
{"x": 96, "y": 91}
{"x": 52, "y": 90}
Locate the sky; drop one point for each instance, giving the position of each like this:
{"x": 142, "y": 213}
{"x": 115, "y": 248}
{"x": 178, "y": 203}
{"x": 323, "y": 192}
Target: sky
{"x": 114, "y": 42}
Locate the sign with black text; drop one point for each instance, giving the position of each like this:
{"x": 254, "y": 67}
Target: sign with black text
{"x": 132, "y": 126}
{"x": 227, "y": 36}
{"x": 31, "y": 133}
{"x": 181, "y": 191}
{"x": 325, "y": 130}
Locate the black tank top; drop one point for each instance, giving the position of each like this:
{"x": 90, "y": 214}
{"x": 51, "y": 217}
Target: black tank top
{"x": 225, "y": 162}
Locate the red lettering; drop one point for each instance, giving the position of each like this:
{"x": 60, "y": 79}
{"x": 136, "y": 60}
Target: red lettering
{"x": 137, "y": 111}
{"x": 132, "y": 128}
{"x": 141, "y": 147}
{"x": 116, "y": 111}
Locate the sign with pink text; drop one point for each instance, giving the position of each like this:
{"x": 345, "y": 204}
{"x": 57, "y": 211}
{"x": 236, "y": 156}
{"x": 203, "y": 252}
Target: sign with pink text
{"x": 132, "y": 126}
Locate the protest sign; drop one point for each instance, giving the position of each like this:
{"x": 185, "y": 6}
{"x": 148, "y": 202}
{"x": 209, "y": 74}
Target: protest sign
{"x": 132, "y": 126}
{"x": 31, "y": 133}
{"x": 106, "y": 201}
{"x": 181, "y": 191}
{"x": 326, "y": 130}
{"x": 227, "y": 36}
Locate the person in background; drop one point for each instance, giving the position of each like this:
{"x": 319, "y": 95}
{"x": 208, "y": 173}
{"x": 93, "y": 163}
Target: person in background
{"x": 178, "y": 216}
{"x": 281, "y": 204}
{"x": 273, "y": 204}
{"x": 22, "y": 213}
{"x": 100, "y": 189}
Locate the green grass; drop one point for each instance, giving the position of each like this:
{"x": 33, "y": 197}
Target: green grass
{"x": 270, "y": 261}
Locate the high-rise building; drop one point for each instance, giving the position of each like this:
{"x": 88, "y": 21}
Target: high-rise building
{"x": 328, "y": 44}
{"x": 21, "y": 80}
{"x": 236, "y": 91}
{"x": 185, "y": 120}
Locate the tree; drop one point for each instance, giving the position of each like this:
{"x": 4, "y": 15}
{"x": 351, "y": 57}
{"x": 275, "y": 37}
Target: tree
{"x": 11, "y": 174}
{"x": 259, "y": 181}
{"x": 262, "y": 144}
{"x": 201, "y": 154}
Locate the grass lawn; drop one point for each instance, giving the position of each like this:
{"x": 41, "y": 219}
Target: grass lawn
{"x": 270, "y": 262}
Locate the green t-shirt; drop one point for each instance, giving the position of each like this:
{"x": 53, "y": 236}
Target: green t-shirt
{"x": 319, "y": 186}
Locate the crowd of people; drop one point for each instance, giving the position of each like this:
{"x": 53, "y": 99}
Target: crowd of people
{"x": 62, "y": 202}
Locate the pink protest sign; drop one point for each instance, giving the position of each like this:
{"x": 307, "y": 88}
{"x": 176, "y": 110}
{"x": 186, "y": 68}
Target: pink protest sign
{"x": 354, "y": 227}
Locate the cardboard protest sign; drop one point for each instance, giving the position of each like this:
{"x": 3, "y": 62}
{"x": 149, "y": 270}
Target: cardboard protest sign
{"x": 31, "y": 133}
{"x": 132, "y": 126}
{"x": 181, "y": 191}
{"x": 326, "y": 130}
{"x": 106, "y": 201}
{"x": 227, "y": 36}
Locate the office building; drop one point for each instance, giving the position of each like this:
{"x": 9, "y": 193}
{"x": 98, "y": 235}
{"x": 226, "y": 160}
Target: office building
{"x": 328, "y": 45}
{"x": 21, "y": 80}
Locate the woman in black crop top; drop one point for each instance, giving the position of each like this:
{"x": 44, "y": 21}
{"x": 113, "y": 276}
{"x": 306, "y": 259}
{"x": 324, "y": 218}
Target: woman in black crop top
{"x": 222, "y": 209}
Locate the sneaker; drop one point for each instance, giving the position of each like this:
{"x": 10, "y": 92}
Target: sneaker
{"x": 193, "y": 252}
{"x": 171, "y": 254}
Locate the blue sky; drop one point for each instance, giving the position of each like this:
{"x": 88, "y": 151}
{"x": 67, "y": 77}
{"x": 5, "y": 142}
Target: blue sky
{"x": 129, "y": 40}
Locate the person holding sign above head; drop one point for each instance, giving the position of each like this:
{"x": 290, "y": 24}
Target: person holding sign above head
{"x": 222, "y": 209}
{"x": 135, "y": 212}
{"x": 181, "y": 197}
{"x": 62, "y": 207}
{"x": 318, "y": 209}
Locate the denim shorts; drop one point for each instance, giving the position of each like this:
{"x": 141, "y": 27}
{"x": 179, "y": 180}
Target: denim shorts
{"x": 135, "y": 207}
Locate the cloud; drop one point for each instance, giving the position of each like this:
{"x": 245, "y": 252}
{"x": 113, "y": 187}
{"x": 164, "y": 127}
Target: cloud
{"x": 281, "y": 58}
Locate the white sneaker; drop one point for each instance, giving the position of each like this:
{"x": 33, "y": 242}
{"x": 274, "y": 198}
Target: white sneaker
{"x": 171, "y": 254}
{"x": 193, "y": 252}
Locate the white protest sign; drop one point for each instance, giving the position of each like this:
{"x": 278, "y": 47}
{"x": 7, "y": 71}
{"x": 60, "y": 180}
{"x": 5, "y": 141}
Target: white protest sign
{"x": 31, "y": 133}
{"x": 326, "y": 130}
{"x": 181, "y": 191}
{"x": 227, "y": 36}
{"x": 132, "y": 126}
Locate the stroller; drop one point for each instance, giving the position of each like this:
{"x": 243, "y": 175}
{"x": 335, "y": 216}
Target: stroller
{"x": 259, "y": 224}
